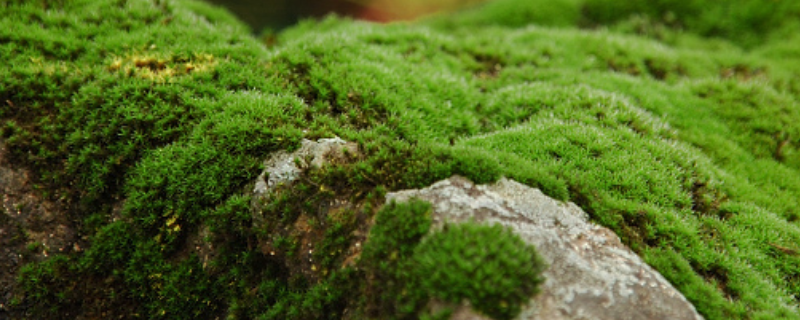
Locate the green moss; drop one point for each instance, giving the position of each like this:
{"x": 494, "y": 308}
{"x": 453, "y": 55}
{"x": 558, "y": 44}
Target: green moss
{"x": 389, "y": 290}
{"x": 488, "y": 265}
{"x": 675, "y": 127}
{"x": 746, "y": 22}
{"x": 513, "y": 13}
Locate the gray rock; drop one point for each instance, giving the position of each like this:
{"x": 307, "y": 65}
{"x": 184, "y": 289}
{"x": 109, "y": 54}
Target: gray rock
{"x": 284, "y": 167}
{"x": 591, "y": 274}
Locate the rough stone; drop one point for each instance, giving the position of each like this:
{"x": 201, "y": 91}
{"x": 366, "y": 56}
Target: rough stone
{"x": 591, "y": 274}
{"x": 284, "y": 167}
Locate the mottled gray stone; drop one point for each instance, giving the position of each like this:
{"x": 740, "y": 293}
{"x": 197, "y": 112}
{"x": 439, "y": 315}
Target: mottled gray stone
{"x": 591, "y": 274}
{"x": 282, "y": 167}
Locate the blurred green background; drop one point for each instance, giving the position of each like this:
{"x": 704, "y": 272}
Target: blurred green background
{"x": 278, "y": 14}
{"x": 745, "y": 22}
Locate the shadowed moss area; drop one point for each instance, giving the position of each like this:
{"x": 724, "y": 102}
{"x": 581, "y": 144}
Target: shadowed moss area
{"x": 151, "y": 119}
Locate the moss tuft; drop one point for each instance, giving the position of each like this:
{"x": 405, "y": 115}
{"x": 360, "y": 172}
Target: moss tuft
{"x": 489, "y": 266}
{"x": 389, "y": 290}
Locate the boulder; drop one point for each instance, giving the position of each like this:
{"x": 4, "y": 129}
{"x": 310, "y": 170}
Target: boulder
{"x": 591, "y": 274}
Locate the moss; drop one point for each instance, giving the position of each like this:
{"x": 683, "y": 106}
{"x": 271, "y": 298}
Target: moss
{"x": 149, "y": 120}
{"x": 746, "y": 22}
{"x": 515, "y": 14}
{"x": 389, "y": 290}
{"x": 489, "y": 266}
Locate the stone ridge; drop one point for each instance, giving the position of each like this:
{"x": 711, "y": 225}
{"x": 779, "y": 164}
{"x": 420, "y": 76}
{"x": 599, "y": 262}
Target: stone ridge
{"x": 591, "y": 274}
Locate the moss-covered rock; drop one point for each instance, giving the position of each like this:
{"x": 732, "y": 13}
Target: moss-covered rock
{"x": 489, "y": 266}
{"x": 148, "y": 120}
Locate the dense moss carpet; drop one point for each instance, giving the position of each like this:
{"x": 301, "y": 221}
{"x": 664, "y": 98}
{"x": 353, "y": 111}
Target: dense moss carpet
{"x": 674, "y": 123}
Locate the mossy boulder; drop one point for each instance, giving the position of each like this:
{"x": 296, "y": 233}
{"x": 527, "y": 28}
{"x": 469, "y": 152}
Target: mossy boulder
{"x": 589, "y": 273}
{"x": 148, "y": 122}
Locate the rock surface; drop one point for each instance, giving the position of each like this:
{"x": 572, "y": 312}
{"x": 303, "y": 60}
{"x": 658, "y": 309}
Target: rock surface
{"x": 591, "y": 274}
{"x": 284, "y": 167}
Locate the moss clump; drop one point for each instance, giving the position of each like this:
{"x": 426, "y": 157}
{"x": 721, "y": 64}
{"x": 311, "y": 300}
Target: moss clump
{"x": 389, "y": 291}
{"x": 405, "y": 270}
{"x": 489, "y": 266}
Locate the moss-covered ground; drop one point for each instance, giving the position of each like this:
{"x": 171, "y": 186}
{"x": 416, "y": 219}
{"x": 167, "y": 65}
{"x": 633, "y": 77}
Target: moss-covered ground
{"x": 677, "y": 128}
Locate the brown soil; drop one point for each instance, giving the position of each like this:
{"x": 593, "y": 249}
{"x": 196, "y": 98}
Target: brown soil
{"x": 32, "y": 228}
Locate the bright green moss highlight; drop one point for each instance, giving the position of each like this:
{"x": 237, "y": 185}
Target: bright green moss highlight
{"x": 488, "y": 265}
{"x": 674, "y": 127}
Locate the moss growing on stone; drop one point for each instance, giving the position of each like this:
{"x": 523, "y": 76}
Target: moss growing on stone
{"x": 390, "y": 291}
{"x": 149, "y": 119}
{"x": 489, "y": 266}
